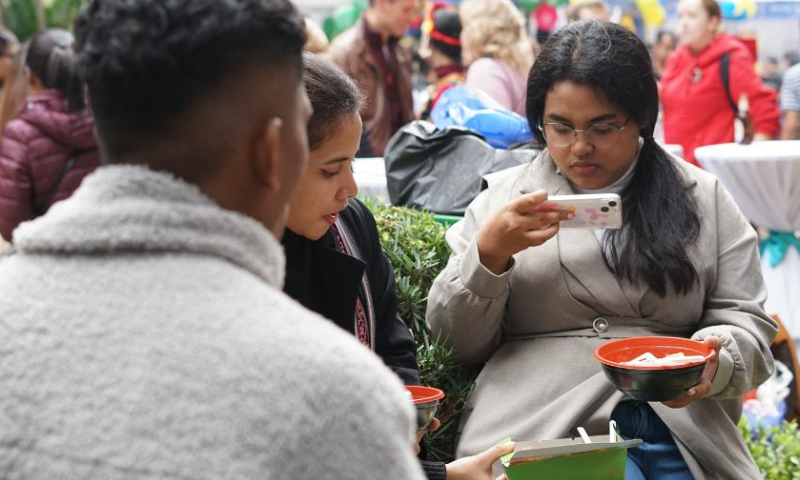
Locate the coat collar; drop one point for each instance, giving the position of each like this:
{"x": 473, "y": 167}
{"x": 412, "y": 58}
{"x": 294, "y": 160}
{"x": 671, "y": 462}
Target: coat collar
{"x": 129, "y": 209}
{"x": 338, "y": 274}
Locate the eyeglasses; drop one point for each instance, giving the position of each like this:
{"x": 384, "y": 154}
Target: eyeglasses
{"x": 602, "y": 135}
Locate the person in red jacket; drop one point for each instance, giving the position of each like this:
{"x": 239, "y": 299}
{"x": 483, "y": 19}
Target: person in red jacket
{"x": 697, "y": 109}
{"x": 50, "y": 146}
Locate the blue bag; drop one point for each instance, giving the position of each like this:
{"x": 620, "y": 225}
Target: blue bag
{"x": 460, "y": 107}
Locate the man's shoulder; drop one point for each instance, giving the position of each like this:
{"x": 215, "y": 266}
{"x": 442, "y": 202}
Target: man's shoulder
{"x": 346, "y": 43}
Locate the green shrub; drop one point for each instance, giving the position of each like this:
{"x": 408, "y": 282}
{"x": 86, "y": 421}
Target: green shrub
{"x": 415, "y": 246}
{"x": 776, "y": 450}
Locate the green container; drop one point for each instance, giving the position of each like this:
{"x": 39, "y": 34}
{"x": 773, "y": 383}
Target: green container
{"x": 569, "y": 459}
{"x": 603, "y": 465}
{"x": 446, "y": 220}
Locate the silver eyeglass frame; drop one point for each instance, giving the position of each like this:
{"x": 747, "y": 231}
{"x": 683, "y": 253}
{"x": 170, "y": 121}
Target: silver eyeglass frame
{"x": 575, "y": 132}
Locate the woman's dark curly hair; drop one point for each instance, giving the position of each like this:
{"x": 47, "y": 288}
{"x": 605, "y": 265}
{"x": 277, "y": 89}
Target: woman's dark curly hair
{"x": 660, "y": 219}
{"x": 146, "y": 61}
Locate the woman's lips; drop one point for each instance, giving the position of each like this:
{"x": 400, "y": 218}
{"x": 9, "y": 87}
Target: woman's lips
{"x": 331, "y": 218}
{"x": 584, "y": 168}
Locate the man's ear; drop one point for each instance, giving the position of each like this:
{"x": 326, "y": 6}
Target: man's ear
{"x": 715, "y": 21}
{"x": 266, "y": 155}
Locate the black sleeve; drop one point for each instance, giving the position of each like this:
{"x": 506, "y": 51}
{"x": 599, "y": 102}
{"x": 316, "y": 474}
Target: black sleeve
{"x": 434, "y": 470}
{"x": 393, "y": 340}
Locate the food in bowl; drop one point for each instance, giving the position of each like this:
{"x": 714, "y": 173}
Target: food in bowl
{"x": 665, "y": 376}
{"x": 648, "y": 359}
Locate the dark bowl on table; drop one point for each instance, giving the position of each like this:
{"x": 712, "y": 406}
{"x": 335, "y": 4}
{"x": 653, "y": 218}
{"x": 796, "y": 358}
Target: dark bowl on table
{"x": 426, "y": 400}
{"x": 653, "y": 383}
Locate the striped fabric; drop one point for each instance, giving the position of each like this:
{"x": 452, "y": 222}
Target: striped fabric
{"x": 790, "y": 90}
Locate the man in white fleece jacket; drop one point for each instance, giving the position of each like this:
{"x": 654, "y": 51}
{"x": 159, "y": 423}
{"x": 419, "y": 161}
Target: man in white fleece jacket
{"x": 143, "y": 332}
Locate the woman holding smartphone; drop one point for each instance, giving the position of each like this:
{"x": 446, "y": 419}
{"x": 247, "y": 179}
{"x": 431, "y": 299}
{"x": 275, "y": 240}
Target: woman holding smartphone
{"x": 535, "y": 301}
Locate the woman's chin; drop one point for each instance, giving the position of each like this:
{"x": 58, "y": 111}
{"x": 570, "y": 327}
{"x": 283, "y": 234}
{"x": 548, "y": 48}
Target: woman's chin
{"x": 317, "y": 231}
{"x": 311, "y": 232}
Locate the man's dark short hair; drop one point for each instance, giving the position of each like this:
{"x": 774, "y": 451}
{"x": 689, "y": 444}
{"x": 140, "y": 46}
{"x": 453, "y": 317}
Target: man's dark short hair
{"x": 145, "y": 62}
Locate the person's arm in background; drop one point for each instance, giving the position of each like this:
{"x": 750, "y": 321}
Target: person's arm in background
{"x": 763, "y": 100}
{"x": 791, "y": 125}
{"x": 15, "y": 180}
{"x": 790, "y": 105}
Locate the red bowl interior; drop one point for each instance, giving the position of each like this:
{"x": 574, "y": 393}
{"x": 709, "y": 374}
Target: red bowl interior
{"x": 424, "y": 394}
{"x": 615, "y": 352}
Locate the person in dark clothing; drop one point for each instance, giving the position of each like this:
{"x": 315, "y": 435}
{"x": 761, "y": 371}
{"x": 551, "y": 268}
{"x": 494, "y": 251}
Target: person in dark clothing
{"x": 334, "y": 261}
{"x": 371, "y": 52}
{"x": 335, "y": 264}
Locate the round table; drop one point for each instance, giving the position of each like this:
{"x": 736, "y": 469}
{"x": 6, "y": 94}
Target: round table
{"x": 370, "y": 176}
{"x": 764, "y": 179}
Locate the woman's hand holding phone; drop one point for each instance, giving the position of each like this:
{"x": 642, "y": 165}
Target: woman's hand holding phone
{"x": 517, "y": 226}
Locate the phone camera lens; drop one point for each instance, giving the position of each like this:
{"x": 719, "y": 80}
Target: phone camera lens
{"x": 604, "y": 209}
{"x": 612, "y": 204}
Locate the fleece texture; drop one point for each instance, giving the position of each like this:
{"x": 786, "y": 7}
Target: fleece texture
{"x": 143, "y": 335}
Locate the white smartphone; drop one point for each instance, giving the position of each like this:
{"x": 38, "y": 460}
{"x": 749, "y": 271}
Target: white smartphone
{"x": 593, "y": 211}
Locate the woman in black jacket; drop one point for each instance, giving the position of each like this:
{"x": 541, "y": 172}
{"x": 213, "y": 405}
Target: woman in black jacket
{"x": 335, "y": 265}
{"x": 334, "y": 262}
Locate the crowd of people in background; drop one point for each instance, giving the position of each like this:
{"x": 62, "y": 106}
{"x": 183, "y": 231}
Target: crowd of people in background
{"x": 222, "y": 228}
{"x": 491, "y": 41}
{"x": 487, "y": 46}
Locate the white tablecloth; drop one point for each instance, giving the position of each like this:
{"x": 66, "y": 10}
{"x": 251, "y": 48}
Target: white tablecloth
{"x": 370, "y": 176}
{"x": 673, "y": 148}
{"x": 764, "y": 179}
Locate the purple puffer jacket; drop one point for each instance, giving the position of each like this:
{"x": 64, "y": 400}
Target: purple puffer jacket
{"x": 34, "y": 150}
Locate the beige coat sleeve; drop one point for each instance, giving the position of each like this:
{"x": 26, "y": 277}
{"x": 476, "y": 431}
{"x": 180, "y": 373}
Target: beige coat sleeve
{"x": 467, "y": 302}
{"x": 734, "y": 305}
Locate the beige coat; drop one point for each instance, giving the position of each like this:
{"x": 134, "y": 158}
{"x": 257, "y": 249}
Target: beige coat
{"x": 539, "y": 323}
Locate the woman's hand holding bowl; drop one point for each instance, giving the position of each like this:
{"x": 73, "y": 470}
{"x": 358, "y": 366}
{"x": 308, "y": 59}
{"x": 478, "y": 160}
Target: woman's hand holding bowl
{"x": 704, "y": 387}
{"x": 517, "y": 226}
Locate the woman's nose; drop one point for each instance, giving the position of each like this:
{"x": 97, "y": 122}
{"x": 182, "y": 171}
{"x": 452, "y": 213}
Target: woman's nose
{"x": 350, "y": 188}
{"x": 581, "y": 145}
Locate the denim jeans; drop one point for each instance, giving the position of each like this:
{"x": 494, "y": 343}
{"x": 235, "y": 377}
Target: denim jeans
{"x": 658, "y": 457}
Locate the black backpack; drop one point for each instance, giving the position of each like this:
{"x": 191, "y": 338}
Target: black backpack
{"x": 441, "y": 170}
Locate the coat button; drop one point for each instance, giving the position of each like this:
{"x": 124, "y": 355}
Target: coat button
{"x": 600, "y": 325}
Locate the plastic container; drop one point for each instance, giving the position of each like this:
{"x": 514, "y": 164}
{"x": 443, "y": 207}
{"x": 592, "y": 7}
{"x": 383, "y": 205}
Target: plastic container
{"x": 656, "y": 383}
{"x": 426, "y": 400}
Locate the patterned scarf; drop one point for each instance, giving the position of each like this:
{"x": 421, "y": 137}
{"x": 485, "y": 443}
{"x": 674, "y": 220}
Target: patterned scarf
{"x": 365, "y": 317}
